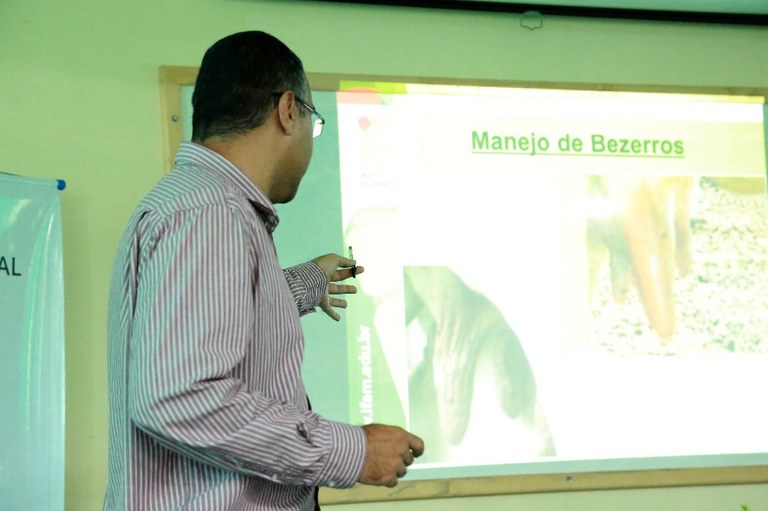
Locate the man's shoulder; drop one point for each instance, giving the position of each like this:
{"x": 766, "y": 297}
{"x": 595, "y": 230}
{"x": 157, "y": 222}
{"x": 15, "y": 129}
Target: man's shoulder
{"x": 184, "y": 195}
{"x": 190, "y": 188}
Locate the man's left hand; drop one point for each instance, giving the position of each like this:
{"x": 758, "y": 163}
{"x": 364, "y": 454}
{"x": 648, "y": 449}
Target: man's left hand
{"x": 337, "y": 268}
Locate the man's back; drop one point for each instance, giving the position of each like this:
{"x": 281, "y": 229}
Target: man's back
{"x": 208, "y": 409}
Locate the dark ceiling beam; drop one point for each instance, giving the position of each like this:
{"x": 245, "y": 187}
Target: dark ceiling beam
{"x": 565, "y": 10}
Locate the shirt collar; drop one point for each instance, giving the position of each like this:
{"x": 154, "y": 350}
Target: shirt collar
{"x": 190, "y": 153}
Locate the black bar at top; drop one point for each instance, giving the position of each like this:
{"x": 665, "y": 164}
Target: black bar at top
{"x": 563, "y": 10}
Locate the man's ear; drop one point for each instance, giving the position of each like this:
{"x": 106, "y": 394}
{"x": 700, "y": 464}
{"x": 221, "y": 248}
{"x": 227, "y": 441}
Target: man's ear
{"x": 287, "y": 112}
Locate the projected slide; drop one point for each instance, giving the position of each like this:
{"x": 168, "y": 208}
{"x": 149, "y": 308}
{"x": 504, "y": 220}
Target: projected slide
{"x": 560, "y": 277}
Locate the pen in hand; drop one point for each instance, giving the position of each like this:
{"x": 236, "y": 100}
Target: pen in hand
{"x": 353, "y": 270}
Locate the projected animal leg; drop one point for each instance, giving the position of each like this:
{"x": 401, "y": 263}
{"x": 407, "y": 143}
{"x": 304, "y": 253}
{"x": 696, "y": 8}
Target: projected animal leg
{"x": 460, "y": 323}
{"x": 647, "y": 235}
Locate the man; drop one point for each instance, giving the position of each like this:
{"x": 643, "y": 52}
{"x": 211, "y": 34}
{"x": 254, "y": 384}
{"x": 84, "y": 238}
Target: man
{"x": 207, "y": 406}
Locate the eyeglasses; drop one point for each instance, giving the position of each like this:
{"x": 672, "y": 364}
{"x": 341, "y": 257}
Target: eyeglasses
{"x": 317, "y": 127}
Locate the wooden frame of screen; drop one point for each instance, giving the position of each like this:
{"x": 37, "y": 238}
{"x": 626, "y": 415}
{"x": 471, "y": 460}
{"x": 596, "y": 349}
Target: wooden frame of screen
{"x": 173, "y": 78}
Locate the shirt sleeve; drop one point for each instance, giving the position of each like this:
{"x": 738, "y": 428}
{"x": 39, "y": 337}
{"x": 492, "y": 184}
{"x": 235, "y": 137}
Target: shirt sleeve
{"x": 190, "y": 334}
{"x": 308, "y": 284}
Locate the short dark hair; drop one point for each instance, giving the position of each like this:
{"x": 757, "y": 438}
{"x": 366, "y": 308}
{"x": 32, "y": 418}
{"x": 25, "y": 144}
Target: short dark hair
{"x": 238, "y": 77}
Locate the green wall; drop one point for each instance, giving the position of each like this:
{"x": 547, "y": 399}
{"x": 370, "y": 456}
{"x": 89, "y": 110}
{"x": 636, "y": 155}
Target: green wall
{"x": 79, "y": 100}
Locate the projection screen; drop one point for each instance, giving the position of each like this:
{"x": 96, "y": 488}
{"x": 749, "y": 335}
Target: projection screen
{"x": 557, "y": 281}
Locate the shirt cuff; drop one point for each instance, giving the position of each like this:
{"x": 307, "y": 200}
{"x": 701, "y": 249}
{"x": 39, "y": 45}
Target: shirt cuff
{"x": 308, "y": 284}
{"x": 346, "y": 459}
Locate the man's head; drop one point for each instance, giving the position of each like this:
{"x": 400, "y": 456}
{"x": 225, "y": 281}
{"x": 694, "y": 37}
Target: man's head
{"x": 252, "y": 104}
{"x": 237, "y": 82}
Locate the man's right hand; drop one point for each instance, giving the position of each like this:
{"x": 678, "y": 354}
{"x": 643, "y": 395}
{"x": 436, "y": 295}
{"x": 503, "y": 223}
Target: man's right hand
{"x": 390, "y": 451}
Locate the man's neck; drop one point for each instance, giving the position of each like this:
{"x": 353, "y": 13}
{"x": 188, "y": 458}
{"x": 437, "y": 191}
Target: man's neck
{"x": 249, "y": 154}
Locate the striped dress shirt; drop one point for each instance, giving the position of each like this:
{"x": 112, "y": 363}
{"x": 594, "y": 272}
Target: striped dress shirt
{"x": 208, "y": 410}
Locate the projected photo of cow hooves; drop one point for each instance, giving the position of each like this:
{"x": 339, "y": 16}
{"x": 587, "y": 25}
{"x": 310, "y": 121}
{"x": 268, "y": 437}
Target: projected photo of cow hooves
{"x": 675, "y": 262}
{"x": 466, "y": 362}
{"x": 644, "y": 227}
